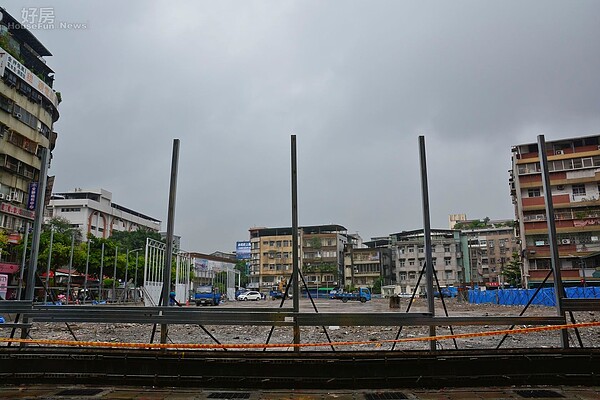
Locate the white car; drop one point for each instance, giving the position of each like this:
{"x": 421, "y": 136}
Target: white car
{"x": 251, "y": 295}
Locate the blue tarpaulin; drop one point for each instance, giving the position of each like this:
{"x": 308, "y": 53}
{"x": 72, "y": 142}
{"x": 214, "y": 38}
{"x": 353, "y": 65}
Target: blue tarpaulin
{"x": 518, "y": 297}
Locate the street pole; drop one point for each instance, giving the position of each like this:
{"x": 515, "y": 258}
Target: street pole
{"x": 25, "y": 241}
{"x": 101, "y": 276}
{"x": 87, "y": 268}
{"x": 48, "y": 264}
{"x": 125, "y": 284}
{"x": 135, "y": 285}
{"x": 114, "y": 286}
{"x": 70, "y": 267}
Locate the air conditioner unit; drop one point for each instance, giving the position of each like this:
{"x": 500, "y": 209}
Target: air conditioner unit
{"x": 558, "y": 152}
{"x": 566, "y": 241}
{"x": 1, "y": 196}
{"x": 7, "y": 198}
{"x": 560, "y": 187}
{"x": 17, "y": 115}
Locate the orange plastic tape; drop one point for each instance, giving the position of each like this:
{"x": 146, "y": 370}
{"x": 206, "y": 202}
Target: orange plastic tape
{"x": 377, "y": 343}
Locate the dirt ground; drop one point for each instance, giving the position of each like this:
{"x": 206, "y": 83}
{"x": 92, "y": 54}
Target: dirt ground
{"x": 372, "y": 335}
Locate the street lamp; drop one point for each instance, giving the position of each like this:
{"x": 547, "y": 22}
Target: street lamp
{"x": 136, "y": 251}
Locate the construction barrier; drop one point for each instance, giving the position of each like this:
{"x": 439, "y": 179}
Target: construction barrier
{"x": 520, "y": 297}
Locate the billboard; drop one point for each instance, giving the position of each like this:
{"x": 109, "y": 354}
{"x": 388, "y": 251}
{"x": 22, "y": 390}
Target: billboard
{"x": 242, "y": 250}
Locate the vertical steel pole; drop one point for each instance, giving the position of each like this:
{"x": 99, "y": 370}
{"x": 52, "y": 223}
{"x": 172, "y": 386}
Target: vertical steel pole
{"x": 125, "y": 284}
{"x": 295, "y": 267}
{"x": 135, "y": 284}
{"x": 37, "y": 229}
{"x": 24, "y": 257}
{"x": 114, "y": 286}
{"x": 427, "y": 238}
{"x": 70, "y": 267}
{"x": 559, "y": 292}
{"x": 87, "y": 270}
{"x": 169, "y": 238}
{"x": 48, "y": 265}
{"x": 101, "y": 275}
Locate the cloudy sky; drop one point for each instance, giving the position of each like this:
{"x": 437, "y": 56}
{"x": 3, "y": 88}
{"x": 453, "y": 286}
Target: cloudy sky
{"x": 356, "y": 81}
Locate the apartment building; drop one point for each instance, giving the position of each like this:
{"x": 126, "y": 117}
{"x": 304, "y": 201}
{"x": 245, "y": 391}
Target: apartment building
{"x": 364, "y": 266}
{"x": 574, "y": 169}
{"x": 409, "y": 257}
{"x": 28, "y": 110}
{"x": 320, "y": 252}
{"x": 93, "y": 211}
{"x": 487, "y": 247}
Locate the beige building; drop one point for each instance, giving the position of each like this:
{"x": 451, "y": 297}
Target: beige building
{"x": 94, "y": 212}
{"x": 447, "y": 258}
{"x": 28, "y": 110}
{"x": 487, "y": 247}
{"x": 320, "y": 253}
{"x": 363, "y": 267}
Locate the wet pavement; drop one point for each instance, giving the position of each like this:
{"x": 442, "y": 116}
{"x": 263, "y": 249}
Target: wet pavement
{"x": 89, "y": 392}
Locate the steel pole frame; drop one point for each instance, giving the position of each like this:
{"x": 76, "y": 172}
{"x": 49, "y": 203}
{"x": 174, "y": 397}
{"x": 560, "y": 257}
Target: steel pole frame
{"x": 295, "y": 266}
{"x": 169, "y": 245}
{"x": 37, "y": 229}
{"x": 559, "y": 291}
{"x": 427, "y": 238}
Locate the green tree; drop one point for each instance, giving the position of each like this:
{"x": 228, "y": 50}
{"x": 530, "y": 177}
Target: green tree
{"x": 315, "y": 242}
{"x": 377, "y": 285}
{"x": 3, "y": 241}
{"x": 242, "y": 267}
{"x": 512, "y": 270}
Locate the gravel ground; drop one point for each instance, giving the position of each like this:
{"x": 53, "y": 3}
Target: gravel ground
{"x": 137, "y": 333}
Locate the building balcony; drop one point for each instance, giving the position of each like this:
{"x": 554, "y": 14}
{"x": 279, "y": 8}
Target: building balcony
{"x": 539, "y": 203}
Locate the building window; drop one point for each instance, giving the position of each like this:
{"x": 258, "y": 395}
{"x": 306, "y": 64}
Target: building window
{"x": 412, "y": 275}
{"x": 447, "y": 261}
{"x": 411, "y": 262}
{"x": 578, "y": 190}
{"x": 411, "y": 249}
{"x": 402, "y": 263}
{"x": 534, "y": 192}
{"x": 446, "y": 249}
{"x": 402, "y": 276}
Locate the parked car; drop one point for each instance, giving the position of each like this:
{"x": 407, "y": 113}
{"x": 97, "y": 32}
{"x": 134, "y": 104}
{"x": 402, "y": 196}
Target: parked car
{"x": 251, "y": 295}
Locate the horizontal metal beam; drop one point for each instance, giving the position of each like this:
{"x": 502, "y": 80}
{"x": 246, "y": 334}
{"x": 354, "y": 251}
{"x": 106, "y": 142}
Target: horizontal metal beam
{"x": 581, "y": 304}
{"x": 14, "y": 306}
{"x": 170, "y": 315}
{"x": 419, "y": 319}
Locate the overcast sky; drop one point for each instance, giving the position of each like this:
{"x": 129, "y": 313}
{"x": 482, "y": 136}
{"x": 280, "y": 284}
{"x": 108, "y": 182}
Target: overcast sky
{"x": 356, "y": 81}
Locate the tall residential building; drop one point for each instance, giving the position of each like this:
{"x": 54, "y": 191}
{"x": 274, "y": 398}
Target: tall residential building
{"x": 574, "y": 169}
{"x": 487, "y": 247}
{"x": 364, "y": 266}
{"x": 320, "y": 252}
{"x": 28, "y": 110}
{"x": 409, "y": 252}
{"x": 92, "y": 211}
